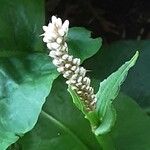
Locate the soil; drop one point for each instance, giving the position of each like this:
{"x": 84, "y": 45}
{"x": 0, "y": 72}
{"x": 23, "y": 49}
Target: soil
{"x": 111, "y": 19}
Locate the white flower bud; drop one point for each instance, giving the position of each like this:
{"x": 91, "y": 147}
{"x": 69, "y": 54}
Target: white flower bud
{"x": 67, "y": 74}
{"x": 65, "y": 56}
{"x": 61, "y": 32}
{"x": 76, "y": 61}
{"x": 59, "y": 40}
{"x": 82, "y": 71}
{"x": 45, "y": 39}
{"x": 70, "y": 58}
{"x": 79, "y": 79}
{"x": 88, "y": 109}
{"x": 73, "y": 87}
{"x": 48, "y": 37}
{"x": 72, "y": 81}
{"x": 60, "y": 69}
{"x": 93, "y": 96}
{"x": 91, "y": 90}
{"x": 74, "y": 77}
{"x": 73, "y": 68}
{"x": 59, "y": 23}
{"x": 87, "y": 87}
{"x": 83, "y": 87}
{"x": 65, "y": 45}
{"x": 65, "y": 26}
{"x": 77, "y": 70}
{"x": 53, "y": 35}
{"x": 87, "y": 101}
{"x": 68, "y": 82}
{"x": 54, "y": 45}
{"x": 56, "y": 62}
{"x": 86, "y": 80}
{"x": 58, "y": 53}
{"x": 86, "y": 94}
{"x": 49, "y": 45}
{"x": 67, "y": 66}
{"x": 51, "y": 28}
{"x": 52, "y": 54}
{"x": 63, "y": 48}
{"x": 79, "y": 92}
{"x": 93, "y": 102}
{"x": 78, "y": 84}
{"x": 45, "y": 28}
{"x": 95, "y": 99}
{"x": 54, "y": 19}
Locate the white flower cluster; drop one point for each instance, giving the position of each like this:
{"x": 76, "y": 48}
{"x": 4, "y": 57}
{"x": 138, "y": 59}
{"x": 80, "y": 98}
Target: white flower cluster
{"x": 55, "y": 37}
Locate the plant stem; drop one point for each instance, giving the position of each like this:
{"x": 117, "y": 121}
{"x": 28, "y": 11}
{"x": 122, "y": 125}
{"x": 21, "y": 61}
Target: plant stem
{"x": 106, "y": 142}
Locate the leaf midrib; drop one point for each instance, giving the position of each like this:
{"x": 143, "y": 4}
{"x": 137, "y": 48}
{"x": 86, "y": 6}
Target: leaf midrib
{"x": 61, "y": 125}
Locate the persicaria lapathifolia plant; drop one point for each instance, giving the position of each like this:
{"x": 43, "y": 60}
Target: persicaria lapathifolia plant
{"x": 55, "y": 36}
{"x": 98, "y": 109}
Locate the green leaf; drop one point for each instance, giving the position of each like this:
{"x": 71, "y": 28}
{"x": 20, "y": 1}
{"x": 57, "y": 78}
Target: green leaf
{"x": 129, "y": 133}
{"x": 107, "y": 122}
{"x": 110, "y": 57}
{"x": 77, "y": 101}
{"x": 25, "y": 81}
{"x": 61, "y": 125}
{"x": 20, "y": 27}
{"x": 131, "y": 130}
{"x": 108, "y": 91}
{"x": 81, "y": 44}
{"x": 24, "y": 84}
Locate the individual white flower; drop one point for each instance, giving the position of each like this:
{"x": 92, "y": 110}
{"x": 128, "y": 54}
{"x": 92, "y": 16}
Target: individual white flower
{"x": 55, "y": 35}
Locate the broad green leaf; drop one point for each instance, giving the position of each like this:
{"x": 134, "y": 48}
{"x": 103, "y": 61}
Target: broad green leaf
{"x": 131, "y": 130}
{"x": 24, "y": 84}
{"x": 112, "y": 56}
{"x": 61, "y": 126}
{"x": 108, "y": 91}
{"x": 81, "y": 44}
{"x": 25, "y": 81}
{"x": 20, "y": 26}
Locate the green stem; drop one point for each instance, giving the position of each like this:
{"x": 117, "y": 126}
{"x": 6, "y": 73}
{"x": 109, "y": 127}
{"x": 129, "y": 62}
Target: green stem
{"x": 106, "y": 142}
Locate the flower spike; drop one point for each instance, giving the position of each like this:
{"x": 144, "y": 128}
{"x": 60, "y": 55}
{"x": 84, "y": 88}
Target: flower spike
{"x": 55, "y": 35}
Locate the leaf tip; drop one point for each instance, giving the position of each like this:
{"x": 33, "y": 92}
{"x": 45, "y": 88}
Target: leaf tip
{"x": 136, "y": 55}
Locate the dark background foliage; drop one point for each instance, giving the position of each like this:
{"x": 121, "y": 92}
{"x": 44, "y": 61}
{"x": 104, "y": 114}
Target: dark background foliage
{"x": 110, "y": 19}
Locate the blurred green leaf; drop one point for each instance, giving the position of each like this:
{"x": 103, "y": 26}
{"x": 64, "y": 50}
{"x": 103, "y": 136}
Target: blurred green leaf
{"x": 20, "y": 26}
{"x": 24, "y": 85}
{"x": 25, "y": 80}
{"x": 131, "y": 131}
{"x": 61, "y": 126}
{"x": 110, "y": 57}
{"x": 81, "y": 44}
